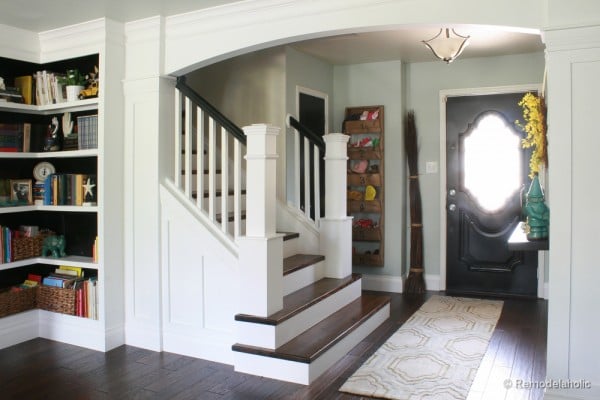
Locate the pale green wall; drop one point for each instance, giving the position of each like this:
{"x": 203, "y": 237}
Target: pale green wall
{"x": 311, "y": 73}
{"x": 248, "y": 89}
{"x": 380, "y": 84}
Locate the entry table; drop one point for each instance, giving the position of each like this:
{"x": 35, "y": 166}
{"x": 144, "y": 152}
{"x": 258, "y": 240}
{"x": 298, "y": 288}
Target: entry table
{"x": 518, "y": 241}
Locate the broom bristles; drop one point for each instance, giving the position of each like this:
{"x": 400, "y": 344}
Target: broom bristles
{"x": 415, "y": 282}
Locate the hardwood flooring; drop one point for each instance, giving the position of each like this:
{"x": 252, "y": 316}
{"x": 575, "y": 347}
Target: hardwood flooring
{"x": 43, "y": 369}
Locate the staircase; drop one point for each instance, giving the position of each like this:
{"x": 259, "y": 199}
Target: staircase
{"x": 299, "y": 313}
{"x": 322, "y": 319}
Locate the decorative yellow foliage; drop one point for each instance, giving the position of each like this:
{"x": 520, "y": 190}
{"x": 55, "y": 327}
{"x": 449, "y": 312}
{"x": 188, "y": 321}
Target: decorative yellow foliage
{"x": 534, "y": 114}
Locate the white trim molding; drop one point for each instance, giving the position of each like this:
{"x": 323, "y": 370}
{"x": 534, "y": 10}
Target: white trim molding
{"x": 382, "y": 283}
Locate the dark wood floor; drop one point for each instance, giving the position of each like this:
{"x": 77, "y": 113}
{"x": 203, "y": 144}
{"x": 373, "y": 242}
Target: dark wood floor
{"x": 42, "y": 369}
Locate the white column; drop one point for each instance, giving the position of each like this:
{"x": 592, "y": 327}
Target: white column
{"x": 573, "y": 61}
{"x": 261, "y": 250}
{"x": 336, "y": 227}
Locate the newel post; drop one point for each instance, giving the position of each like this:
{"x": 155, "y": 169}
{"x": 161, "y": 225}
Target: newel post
{"x": 336, "y": 227}
{"x": 261, "y": 250}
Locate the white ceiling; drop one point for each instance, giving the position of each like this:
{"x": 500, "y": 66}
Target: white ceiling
{"x": 404, "y": 44}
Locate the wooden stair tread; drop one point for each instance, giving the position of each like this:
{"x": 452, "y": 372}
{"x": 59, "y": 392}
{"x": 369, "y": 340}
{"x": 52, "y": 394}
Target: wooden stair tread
{"x": 195, "y": 171}
{"x": 299, "y": 261}
{"x": 309, "y": 345}
{"x": 290, "y": 235}
{"x": 218, "y": 193}
{"x": 230, "y": 216}
{"x": 302, "y": 299}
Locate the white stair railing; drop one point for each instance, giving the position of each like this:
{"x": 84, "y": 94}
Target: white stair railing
{"x": 208, "y": 160}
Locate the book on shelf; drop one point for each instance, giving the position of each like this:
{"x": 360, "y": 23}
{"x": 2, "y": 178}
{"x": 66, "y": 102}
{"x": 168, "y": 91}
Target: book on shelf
{"x": 15, "y": 137}
{"x": 70, "y": 270}
{"x": 11, "y": 94}
{"x": 26, "y": 87}
{"x": 86, "y": 299}
{"x": 70, "y": 189}
{"x": 11, "y": 137}
{"x": 47, "y": 88}
{"x": 87, "y": 131}
{"x": 34, "y": 277}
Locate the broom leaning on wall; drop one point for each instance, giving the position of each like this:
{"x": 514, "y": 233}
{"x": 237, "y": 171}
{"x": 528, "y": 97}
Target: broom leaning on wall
{"x": 415, "y": 283}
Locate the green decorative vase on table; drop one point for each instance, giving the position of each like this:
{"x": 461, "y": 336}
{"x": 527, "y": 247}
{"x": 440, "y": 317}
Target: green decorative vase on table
{"x": 538, "y": 214}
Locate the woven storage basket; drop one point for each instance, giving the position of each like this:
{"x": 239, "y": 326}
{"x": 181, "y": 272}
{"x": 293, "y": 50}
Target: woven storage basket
{"x": 56, "y": 299}
{"x": 28, "y": 247}
{"x": 12, "y": 302}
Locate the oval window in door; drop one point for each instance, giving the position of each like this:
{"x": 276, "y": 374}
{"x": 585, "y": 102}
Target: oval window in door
{"x": 491, "y": 152}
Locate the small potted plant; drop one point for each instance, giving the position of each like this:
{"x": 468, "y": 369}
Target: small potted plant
{"x": 74, "y": 82}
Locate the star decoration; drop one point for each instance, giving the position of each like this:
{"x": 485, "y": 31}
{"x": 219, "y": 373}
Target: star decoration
{"x": 88, "y": 188}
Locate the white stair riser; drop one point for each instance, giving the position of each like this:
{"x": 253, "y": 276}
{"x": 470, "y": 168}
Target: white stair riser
{"x": 290, "y": 247}
{"x": 271, "y": 337}
{"x": 303, "y": 277}
{"x": 303, "y": 373}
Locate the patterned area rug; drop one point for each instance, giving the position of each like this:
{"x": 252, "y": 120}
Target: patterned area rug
{"x": 433, "y": 356}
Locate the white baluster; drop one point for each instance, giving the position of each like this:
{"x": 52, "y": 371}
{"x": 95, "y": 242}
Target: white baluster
{"x": 178, "y": 127}
{"x": 200, "y": 158}
{"x": 187, "y": 170}
{"x": 224, "y": 179}
{"x": 212, "y": 166}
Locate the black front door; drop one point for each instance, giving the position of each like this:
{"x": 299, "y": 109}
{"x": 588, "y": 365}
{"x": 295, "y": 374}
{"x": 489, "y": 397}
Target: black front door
{"x": 486, "y": 172}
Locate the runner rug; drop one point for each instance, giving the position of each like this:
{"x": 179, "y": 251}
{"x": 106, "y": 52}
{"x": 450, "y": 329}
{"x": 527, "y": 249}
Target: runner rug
{"x": 433, "y": 356}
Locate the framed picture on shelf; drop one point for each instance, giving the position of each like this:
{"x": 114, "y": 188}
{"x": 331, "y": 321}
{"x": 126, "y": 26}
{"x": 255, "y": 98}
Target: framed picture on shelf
{"x": 20, "y": 190}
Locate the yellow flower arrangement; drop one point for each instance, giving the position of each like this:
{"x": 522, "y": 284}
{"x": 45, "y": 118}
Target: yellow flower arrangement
{"x": 534, "y": 114}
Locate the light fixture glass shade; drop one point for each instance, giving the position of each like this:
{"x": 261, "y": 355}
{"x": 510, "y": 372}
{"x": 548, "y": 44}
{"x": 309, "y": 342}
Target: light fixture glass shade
{"x": 447, "y": 44}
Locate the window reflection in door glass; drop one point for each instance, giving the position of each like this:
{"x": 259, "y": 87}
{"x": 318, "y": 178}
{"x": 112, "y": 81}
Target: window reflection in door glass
{"x": 492, "y": 162}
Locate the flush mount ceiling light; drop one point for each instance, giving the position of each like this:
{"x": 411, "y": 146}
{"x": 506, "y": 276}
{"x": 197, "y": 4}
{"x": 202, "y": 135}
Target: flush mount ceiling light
{"x": 447, "y": 44}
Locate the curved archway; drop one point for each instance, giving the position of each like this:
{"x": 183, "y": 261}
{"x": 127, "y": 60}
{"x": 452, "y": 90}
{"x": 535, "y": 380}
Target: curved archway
{"x": 235, "y": 29}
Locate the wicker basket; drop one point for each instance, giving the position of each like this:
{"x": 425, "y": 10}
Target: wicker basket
{"x": 12, "y": 302}
{"x": 28, "y": 247}
{"x": 56, "y": 299}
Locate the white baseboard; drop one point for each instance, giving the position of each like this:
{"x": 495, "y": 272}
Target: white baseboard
{"x": 73, "y": 330}
{"x": 382, "y": 283}
{"x": 432, "y": 282}
{"x": 143, "y": 335}
{"x": 212, "y": 346}
{"x": 18, "y": 328}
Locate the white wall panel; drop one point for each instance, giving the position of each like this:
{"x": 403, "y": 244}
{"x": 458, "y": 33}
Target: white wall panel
{"x": 585, "y": 269}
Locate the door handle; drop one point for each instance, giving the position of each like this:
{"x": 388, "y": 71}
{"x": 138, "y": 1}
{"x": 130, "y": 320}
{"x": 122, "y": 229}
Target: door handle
{"x": 452, "y": 207}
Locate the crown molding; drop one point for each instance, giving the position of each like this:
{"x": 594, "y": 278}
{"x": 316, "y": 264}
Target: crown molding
{"x": 19, "y": 44}
{"x": 144, "y": 30}
{"x": 568, "y": 38}
{"x": 74, "y": 40}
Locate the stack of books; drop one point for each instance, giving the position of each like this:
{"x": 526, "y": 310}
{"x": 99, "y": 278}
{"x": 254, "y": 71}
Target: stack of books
{"x": 70, "y": 190}
{"x": 47, "y": 88}
{"x": 11, "y": 137}
{"x": 15, "y": 137}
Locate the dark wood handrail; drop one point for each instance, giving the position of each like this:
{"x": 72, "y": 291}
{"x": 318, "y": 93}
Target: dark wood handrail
{"x": 305, "y": 131}
{"x": 215, "y": 114}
